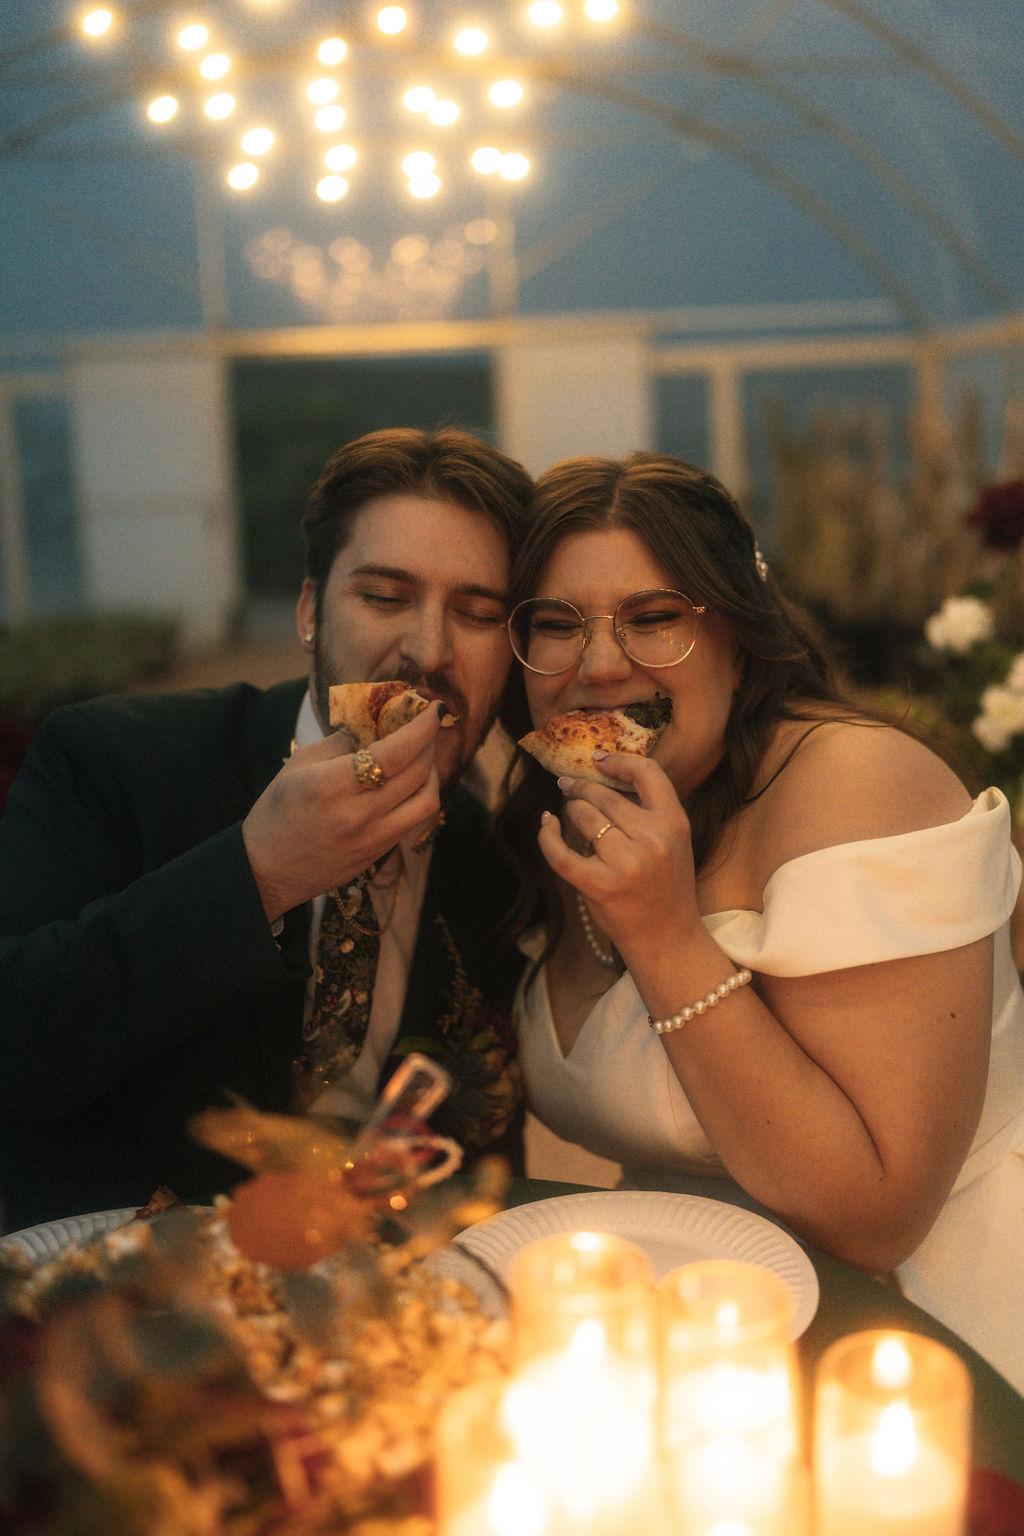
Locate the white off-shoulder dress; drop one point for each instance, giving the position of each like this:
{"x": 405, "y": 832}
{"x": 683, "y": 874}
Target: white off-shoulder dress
{"x": 916, "y": 893}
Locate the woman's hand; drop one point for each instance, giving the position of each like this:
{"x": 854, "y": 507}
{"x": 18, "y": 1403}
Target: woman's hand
{"x": 638, "y": 879}
{"x": 315, "y": 826}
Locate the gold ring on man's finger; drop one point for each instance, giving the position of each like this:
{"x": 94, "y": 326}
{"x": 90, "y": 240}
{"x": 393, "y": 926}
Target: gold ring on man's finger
{"x": 369, "y": 772}
{"x": 600, "y": 833}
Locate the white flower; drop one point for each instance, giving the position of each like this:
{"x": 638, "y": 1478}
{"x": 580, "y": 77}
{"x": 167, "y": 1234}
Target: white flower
{"x": 959, "y": 624}
{"x": 1015, "y": 675}
{"x": 1001, "y": 718}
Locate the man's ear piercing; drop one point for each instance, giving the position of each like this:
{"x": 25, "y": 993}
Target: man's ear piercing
{"x": 309, "y": 637}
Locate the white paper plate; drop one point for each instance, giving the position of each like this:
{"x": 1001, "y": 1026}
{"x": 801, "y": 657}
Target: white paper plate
{"x": 672, "y": 1229}
{"x": 51, "y": 1237}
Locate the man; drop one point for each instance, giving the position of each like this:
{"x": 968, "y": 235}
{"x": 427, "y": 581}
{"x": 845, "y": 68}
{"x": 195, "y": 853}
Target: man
{"x": 165, "y": 859}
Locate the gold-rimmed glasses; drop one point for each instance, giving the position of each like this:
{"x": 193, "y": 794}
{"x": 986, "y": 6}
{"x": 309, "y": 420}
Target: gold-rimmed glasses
{"x": 656, "y": 628}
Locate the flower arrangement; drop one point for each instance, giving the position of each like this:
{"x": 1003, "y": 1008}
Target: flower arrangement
{"x": 998, "y": 515}
{"x": 978, "y": 687}
{"x": 268, "y": 1366}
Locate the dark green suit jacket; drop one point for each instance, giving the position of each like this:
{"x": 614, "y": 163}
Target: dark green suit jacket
{"x": 139, "y": 980}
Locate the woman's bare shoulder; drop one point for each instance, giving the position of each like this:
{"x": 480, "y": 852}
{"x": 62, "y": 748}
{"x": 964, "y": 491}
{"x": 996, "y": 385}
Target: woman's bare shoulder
{"x": 843, "y": 781}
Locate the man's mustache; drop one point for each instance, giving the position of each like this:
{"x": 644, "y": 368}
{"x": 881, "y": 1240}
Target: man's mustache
{"x": 433, "y": 682}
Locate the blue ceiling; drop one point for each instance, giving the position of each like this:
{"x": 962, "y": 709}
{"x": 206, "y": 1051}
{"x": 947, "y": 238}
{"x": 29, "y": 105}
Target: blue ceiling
{"x": 698, "y": 154}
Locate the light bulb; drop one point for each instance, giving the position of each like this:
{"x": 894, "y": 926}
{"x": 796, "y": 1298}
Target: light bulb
{"x": 162, "y": 109}
{"x": 242, "y": 177}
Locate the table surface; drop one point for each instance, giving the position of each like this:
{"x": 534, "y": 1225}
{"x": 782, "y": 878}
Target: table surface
{"x": 851, "y": 1301}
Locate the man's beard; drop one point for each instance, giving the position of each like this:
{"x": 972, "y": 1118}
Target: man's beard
{"x": 433, "y": 682}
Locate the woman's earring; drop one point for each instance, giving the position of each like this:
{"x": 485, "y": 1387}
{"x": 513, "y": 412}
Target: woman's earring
{"x": 309, "y": 637}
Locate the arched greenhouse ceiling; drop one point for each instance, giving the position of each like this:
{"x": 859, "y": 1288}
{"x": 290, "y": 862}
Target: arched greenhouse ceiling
{"x": 745, "y": 163}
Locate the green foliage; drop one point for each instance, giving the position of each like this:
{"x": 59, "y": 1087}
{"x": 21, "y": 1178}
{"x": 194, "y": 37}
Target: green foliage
{"x": 69, "y": 657}
{"x": 927, "y": 716}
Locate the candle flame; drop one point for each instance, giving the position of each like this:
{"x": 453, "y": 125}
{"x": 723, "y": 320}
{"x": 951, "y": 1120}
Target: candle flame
{"x": 588, "y": 1343}
{"x": 894, "y": 1443}
{"x": 515, "y": 1507}
{"x": 727, "y": 1321}
{"x": 891, "y": 1365}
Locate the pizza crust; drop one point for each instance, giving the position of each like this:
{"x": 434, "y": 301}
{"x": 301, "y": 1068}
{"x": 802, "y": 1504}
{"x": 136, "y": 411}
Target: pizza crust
{"x": 565, "y": 744}
{"x": 367, "y": 712}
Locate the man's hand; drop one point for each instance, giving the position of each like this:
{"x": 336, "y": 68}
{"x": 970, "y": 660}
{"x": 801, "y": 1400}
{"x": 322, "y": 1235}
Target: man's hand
{"x": 315, "y": 827}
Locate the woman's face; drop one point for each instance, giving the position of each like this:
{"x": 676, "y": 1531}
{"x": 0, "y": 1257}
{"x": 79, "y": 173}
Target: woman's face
{"x": 594, "y": 570}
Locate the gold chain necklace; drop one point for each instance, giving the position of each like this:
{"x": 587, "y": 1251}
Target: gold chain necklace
{"x": 354, "y": 891}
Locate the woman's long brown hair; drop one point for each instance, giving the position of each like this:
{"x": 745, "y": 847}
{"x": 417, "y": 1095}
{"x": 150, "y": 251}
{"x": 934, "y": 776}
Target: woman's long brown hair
{"x": 696, "y": 531}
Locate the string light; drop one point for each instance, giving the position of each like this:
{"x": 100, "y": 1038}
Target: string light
{"x": 443, "y": 113}
{"x": 486, "y": 160}
{"x": 427, "y": 185}
{"x": 340, "y": 157}
{"x": 322, "y": 91}
{"x": 505, "y": 93}
{"x": 194, "y": 36}
{"x": 162, "y": 109}
{"x": 514, "y": 167}
{"x": 332, "y": 51}
{"x": 242, "y": 177}
{"x": 440, "y": 110}
{"x": 215, "y": 66}
{"x": 419, "y": 163}
{"x": 391, "y": 20}
{"x": 471, "y": 41}
{"x": 258, "y": 141}
{"x": 329, "y": 119}
{"x": 419, "y": 98}
{"x": 96, "y": 23}
{"x": 545, "y": 13}
{"x": 220, "y": 105}
{"x": 331, "y": 189}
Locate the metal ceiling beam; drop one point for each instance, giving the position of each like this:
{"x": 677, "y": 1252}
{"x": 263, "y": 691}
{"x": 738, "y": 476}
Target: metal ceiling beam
{"x": 741, "y": 66}
{"x": 909, "y": 51}
{"x": 690, "y": 125}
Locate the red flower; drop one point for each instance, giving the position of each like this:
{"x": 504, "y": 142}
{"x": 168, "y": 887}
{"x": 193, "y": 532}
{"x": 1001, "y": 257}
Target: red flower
{"x": 995, "y": 1505}
{"x": 999, "y": 515}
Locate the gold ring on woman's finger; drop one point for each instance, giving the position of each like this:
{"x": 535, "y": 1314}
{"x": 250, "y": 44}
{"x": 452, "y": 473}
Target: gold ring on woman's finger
{"x": 369, "y": 772}
{"x": 600, "y": 833}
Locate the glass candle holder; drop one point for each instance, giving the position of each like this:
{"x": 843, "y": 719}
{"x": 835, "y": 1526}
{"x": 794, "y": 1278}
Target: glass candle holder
{"x": 892, "y": 1424}
{"x": 543, "y": 1455}
{"x": 581, "y": 1405}
{"x": 729, "y": 1409}
{"x": 483, "y": 1487}
{"x": 571, "y": 1278}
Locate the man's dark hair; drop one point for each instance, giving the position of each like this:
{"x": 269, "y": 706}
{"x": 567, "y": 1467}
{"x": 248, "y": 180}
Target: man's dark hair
{"x": 444, "y": 466}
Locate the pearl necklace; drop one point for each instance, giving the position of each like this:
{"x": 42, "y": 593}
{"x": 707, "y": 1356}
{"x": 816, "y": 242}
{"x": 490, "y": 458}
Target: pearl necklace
{"x": 605, "y": 956}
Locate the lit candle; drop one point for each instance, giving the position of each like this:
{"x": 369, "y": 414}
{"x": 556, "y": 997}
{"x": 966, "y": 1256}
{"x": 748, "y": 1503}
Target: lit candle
{"x": 584, "y": 1400}
{"x": 557, "y": 1451}
{"x": 571, "y": 1446}
{"x": 483, "y": 1489}
{"x": 560, "y": 1281}
{"x": 892, "y": 1437}
{"x": 729, "y": 1408}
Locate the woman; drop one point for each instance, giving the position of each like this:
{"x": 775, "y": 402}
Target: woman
{"x": 801, "y": 899}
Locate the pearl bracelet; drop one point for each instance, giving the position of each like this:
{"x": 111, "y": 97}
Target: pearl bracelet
{"x": 693, "y": 1010}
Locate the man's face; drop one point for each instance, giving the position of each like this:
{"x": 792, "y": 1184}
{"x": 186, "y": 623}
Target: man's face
{"x": 418, "y": 593}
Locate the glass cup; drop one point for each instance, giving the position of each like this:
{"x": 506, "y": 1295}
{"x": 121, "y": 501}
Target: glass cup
{"x": 892, "y": 1426}
{"x": 729, "y": 1402}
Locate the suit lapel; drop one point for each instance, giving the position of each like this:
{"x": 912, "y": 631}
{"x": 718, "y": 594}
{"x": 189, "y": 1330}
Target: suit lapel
{"x": 263, "y": 748}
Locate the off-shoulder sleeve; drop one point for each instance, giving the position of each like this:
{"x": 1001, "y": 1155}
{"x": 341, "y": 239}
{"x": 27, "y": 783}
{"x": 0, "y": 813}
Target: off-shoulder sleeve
{"x": 917, "y": 893}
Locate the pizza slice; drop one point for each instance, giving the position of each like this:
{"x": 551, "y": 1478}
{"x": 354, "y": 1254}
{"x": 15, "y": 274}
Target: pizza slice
{"x": 368, "y": 712}
{"x": 565, "y": 743}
